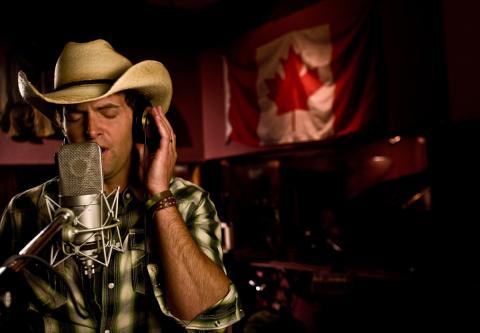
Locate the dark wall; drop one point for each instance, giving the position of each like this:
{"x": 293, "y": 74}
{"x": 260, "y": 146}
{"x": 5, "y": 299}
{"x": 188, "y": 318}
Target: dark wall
{"x": 461, "y": 30}
{"x": 415, "y": 66}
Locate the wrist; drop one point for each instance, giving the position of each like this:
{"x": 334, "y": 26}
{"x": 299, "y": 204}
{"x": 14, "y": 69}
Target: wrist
{"x": 156, "y": 187}
{"x": 160, "y": 201}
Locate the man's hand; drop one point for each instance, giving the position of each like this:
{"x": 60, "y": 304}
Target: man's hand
{"x": 160, "y": 163}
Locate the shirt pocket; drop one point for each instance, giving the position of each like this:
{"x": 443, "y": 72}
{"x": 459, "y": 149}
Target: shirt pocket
{"x": 137, "y": 255}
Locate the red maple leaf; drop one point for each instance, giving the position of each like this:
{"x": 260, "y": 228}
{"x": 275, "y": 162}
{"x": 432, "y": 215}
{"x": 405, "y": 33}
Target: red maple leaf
{"x": 292, "y": 91}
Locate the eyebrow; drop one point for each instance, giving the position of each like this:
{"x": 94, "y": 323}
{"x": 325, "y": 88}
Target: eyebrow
{"x": 75, "y": 108}
{"x": 107, "y": 106}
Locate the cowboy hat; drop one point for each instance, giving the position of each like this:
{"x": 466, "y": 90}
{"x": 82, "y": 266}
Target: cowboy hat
{"x": 89, "y": 71}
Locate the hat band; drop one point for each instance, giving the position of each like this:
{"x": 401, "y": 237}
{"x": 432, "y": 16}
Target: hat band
{"x": 79, "y": 83}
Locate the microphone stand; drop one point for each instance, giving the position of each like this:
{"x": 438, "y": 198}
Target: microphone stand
{"x": 62, "y": 216}
{"x": 12, "y": 310}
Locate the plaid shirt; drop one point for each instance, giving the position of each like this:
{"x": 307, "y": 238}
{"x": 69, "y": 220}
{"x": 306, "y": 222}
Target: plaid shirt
{"x": 127, "y": 295}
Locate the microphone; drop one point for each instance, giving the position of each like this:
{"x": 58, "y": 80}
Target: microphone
{"x": 81, "y": 190}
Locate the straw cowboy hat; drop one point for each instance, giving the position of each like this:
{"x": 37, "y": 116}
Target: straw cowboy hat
{"x": 93, "y": 70}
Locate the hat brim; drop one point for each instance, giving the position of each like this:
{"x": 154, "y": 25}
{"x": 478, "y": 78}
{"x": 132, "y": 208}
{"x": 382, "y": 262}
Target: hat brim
{"x": 150, "y": 78}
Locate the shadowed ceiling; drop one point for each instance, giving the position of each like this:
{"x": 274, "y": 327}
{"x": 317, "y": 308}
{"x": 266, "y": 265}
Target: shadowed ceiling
{"x": 191, "y": 24}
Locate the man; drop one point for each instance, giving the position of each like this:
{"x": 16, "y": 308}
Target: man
{"x": 171, "y": 268}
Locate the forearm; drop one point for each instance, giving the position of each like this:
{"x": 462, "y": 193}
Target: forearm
{"x": 193, "y": 281}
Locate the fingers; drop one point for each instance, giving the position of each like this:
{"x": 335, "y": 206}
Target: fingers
{"x": 168, "y": 136}
{"x": 158, "y": 167}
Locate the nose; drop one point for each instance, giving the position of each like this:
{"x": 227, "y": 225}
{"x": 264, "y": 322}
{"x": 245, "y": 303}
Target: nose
{"x": 92, "y": 126}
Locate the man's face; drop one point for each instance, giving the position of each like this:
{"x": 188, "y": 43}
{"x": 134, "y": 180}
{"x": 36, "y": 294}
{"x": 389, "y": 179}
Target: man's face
{"x": 108, "y": 122}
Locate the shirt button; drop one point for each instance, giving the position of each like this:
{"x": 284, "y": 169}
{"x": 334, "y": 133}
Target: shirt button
{"x": 128, "y": 195}
{"x": 110, "y": 286}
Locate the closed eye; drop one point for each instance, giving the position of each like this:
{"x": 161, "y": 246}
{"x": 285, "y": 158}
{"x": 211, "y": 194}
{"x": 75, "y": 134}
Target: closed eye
{"x": 73, "y": 116}
{"x": 109, "y": 111}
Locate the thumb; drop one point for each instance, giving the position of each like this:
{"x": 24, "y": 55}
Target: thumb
{"x": 141, "y": 164}
{"x": 141, "y": 150}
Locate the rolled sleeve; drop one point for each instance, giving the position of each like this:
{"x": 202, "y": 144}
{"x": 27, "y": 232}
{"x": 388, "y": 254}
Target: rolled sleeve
{"x": 224, "y": 313}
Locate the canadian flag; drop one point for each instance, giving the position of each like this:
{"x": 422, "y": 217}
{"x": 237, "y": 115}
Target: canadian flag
{"x": 305, "y": 77}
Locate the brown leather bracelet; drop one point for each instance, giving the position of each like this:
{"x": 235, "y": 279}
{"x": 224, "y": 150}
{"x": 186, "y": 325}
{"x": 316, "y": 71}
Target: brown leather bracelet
{"x": 154, "y": 199}
{"x": 164, "y": 203}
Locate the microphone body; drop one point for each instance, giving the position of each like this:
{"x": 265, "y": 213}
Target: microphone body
{"x": 81, "y": 190}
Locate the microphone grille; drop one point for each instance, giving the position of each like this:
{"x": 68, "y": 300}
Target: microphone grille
{"x": 80, "y": 169}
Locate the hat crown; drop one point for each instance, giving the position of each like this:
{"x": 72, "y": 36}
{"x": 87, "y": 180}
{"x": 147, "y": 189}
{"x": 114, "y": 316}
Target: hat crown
{"x": 90, "y": 61}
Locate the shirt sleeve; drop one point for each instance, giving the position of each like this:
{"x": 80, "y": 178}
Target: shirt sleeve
{"x": 224, "y": 313}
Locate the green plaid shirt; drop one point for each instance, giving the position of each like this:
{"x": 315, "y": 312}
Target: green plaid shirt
{"x": 126, "y": 296}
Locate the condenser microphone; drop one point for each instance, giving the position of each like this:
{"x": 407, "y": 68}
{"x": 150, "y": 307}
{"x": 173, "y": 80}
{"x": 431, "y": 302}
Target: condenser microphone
{"x": 81, "y": 190}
